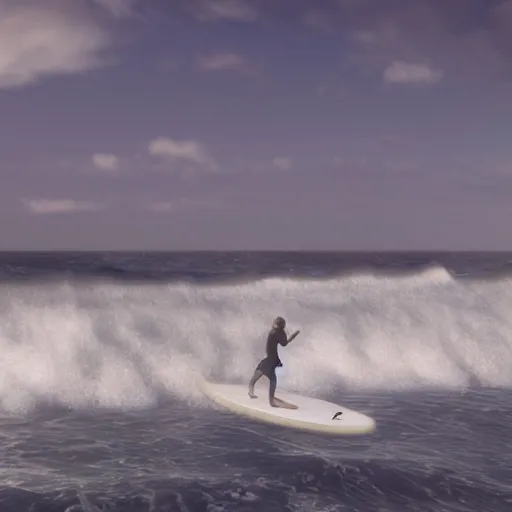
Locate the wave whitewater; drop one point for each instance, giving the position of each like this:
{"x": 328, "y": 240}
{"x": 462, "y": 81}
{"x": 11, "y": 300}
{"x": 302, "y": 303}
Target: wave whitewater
{"x": 123, "y": 345}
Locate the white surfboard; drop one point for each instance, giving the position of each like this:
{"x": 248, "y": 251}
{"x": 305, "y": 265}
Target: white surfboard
{"x": 296, "y": 411}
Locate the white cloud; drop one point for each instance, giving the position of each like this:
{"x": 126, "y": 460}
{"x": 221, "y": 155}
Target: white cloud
{"x": 185, "y": 151}
{"x": 55, "y": 206}
{"x": 221, "y": 61}
{"x": 282, "y": 162}
{"x": 39, "y": 40}
{"x": 106, "y": 162}
{"x": 400, "y": 72}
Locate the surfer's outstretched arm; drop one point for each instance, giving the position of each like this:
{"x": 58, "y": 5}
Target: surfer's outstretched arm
{"x": 283, "y": 340}
{"x": 291, "y": 338}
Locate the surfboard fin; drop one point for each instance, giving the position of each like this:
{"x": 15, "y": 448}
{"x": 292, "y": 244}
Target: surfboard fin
{"x": 335, "y": 417}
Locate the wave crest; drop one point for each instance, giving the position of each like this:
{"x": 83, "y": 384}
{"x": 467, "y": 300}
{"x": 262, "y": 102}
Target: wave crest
{"x": 118, "y": 345}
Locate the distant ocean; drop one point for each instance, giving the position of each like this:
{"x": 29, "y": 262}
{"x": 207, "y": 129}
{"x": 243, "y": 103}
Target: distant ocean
{"x": 100, "y": 354}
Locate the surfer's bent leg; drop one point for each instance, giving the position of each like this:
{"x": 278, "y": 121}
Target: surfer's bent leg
{"x": 255, "y": 378}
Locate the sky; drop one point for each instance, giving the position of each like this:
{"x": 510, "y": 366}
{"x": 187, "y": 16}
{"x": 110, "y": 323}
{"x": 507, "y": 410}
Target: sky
{"x": 255, "y": 124}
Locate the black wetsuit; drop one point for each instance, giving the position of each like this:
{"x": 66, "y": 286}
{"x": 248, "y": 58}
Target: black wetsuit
{"x": 268, "y": 365}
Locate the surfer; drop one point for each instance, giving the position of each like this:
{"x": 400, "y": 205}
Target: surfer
{"x": 268, "y": 366}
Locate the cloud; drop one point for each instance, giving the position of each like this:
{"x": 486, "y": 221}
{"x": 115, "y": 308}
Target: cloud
{"x": 282, "y": 162}
{"x": 185, "y": 151}
{"x": 400, "y": 72}
{"x": 467, "y": 39}
{"x": 218, "y": 10}
{"x": 118, "y": 8}
{"x": 106, "y": 162}
{"x": 59, "y": 206}
{"x": 450, "y": 35}
{"x": 167, "y": 206}
{"x": 39, "y": 39}
{"x": 221, "y": 61}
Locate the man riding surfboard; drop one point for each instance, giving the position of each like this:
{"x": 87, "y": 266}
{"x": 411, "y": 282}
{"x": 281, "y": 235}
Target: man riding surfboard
{"x": 268, "y": 365}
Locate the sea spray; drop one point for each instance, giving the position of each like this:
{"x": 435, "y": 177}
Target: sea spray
{"x": 125, "y": 345}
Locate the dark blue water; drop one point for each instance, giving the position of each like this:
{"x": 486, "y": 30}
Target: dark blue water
{"x": 101, "y": 353}
{"x": 221, "y": 266}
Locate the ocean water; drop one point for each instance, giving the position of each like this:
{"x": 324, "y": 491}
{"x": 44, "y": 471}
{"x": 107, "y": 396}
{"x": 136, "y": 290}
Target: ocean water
{"x": 100, "y": 356}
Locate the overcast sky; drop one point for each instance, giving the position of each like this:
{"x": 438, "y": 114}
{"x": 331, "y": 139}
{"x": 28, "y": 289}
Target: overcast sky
{"x": 256, "y": 124}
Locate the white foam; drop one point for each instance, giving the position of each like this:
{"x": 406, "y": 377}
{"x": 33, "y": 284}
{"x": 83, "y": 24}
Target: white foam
{"x": 115, "y": 345}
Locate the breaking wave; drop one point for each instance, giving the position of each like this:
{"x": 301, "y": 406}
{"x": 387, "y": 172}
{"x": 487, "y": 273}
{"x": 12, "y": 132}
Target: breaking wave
{"x": 103, "y": 344}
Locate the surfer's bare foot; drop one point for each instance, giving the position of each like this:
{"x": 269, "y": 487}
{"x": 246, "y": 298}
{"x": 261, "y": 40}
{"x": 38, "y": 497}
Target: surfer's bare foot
{"x": 252, "y": 395}
{"x": 273, "y": 403}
